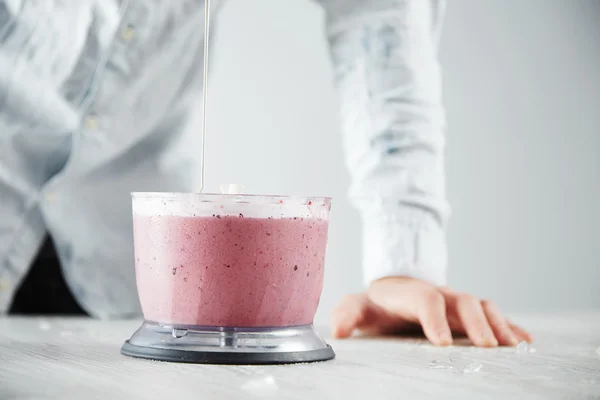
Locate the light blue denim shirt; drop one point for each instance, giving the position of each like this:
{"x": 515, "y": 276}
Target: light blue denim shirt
{"x": 94, "y": 103}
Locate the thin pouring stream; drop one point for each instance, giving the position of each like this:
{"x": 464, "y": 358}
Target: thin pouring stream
{"x": 204, "y": 90}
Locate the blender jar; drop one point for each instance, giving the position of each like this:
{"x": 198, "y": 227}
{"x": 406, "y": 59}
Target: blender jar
{"x": 221, "y": 277}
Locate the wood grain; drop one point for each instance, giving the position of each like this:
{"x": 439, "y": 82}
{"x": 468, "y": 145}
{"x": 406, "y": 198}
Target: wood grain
{"x": 79, "y": 358}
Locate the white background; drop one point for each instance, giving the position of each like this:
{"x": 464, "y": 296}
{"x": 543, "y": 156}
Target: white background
{"x": 522, "y": 91}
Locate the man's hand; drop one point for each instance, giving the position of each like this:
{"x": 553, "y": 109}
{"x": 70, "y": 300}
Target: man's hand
{"x": 398, "y": 304}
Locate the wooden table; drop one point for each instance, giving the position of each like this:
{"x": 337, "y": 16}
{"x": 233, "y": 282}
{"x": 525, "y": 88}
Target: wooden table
{"x": 79, "y": 359}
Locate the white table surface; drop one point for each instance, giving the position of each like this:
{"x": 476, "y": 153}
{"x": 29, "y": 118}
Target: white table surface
{"x": 43, "y": 358}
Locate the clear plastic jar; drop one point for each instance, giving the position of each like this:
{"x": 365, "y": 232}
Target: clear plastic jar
{"x": 229, "y": 260}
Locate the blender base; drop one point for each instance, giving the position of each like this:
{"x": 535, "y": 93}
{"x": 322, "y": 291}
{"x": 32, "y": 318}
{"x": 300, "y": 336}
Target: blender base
{"x": 213, "y": 357}
{"x": 238, "y": 346}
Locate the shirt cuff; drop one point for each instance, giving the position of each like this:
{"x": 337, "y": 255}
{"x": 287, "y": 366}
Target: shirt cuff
{"x": 411, "y": 245}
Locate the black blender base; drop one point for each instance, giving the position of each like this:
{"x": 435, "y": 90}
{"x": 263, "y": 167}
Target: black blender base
{"x": 231, "y": 358}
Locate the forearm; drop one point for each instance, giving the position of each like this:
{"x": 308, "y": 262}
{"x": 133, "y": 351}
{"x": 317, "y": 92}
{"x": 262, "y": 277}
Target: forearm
{"x": 388, "y": 75}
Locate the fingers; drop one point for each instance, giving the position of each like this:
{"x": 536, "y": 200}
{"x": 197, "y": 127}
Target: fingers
{"x": 521, "y": 333}
{"x": 348, "y": 316}
{"x": 474, "y": 320}
{"x": 432, "y": 316}
{"x": 464, "y": 316}
{"x": 503, "y": 332}
{"x": 456, "y": 326}
{"x": 394, "y": 305}
{"x": 414, "y": 301}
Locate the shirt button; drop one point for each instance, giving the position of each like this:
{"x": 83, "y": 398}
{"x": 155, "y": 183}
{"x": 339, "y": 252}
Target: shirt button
{"x": 4, "y": 284}
{"x": 128, "y": 33}
{"x": 50, "y": 196}
{"x": 90, "y": 122}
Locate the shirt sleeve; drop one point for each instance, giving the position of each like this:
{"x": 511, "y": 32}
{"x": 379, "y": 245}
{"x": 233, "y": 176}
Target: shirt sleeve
{"x": 388, "y": 75}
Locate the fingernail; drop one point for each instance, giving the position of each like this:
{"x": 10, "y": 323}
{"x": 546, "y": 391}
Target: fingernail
{"x": 341, "y": 333}
{"x": 529, "y": 337}
{"x": 445, "y": 339}
{"x": 489, "y": 341}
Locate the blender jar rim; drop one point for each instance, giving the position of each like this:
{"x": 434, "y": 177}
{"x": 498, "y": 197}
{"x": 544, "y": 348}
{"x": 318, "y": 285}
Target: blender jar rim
{"x": 215, "y": 197}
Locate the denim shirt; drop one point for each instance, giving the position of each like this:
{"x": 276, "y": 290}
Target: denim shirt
{"x": 95, "y": 100}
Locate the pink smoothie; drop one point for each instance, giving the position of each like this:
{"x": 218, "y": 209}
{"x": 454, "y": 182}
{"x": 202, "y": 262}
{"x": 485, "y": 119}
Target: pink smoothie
{"x": 229, "y": 271}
